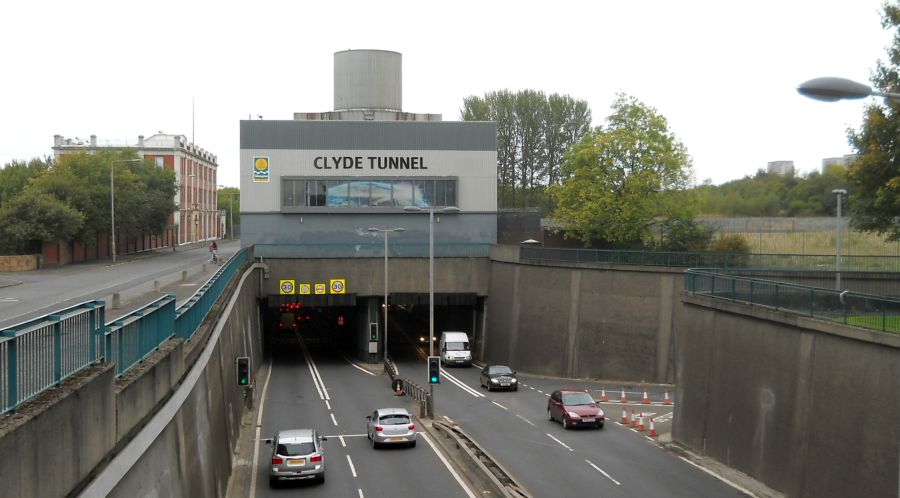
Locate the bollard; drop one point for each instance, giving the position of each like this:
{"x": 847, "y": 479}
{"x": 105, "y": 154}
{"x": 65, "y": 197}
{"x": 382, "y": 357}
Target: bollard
{"x": 184, "y": 275}
{"x": 156, "y": 286}
{"x": 116, "y": 301}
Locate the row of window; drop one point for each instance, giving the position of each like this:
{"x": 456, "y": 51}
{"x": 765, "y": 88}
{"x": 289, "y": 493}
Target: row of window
{"x": 367, "y": 193}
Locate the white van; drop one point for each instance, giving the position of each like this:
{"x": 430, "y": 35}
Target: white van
{"x": 455, "y": 349}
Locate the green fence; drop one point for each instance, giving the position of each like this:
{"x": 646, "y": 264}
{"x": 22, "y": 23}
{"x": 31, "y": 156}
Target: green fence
{"x": 861, "y": 310}
{"x": 819, "y": 262}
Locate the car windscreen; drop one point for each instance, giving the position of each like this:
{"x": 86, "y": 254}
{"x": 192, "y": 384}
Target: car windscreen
{"x": 296, "y": 449}
{"x": 394, "y": 419}
{"x": 457, "y": 346}
{"x": 575, "y": 399}
{"x": 500, "y": 370}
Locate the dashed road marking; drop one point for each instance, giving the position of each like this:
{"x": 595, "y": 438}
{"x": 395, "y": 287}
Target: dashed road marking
{"x": 343, "y": 443}
{"x": 334, "y": 420}
{"x": 498, "y": 404}
{"x": 529, "y": 422}
{"x": 603, "y": 472}
{"x": 560, "y": 442}
{"x": 352, "y": 468}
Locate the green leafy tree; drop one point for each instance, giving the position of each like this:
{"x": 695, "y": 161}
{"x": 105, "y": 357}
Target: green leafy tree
{"x": 15, "y": 175}
{"x": 35, "y": 216}
{"x": 874, "y": 194}
{"x": 224, "y": 199}
{"x": 622, "y": 177}
{"x": 533, "y": 132}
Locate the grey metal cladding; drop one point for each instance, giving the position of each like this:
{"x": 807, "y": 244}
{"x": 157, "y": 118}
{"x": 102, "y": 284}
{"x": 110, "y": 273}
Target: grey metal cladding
{"x": 369, "y": 135}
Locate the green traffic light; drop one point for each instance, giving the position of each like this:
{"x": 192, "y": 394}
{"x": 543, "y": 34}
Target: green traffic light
{"x": 434, "y": 380}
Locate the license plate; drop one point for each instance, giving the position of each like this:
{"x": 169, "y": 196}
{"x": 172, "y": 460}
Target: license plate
{"x": 588, "y": 419}
{"x": 296, "y": 461}
{"x": 395, "y": 439}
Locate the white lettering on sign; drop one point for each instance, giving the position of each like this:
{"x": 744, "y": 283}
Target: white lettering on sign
{"x": 344, "y": 163}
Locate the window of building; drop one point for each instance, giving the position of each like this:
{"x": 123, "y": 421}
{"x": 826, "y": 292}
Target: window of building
{"x": 159, "y": 161}
{"x": 353, "y": 193}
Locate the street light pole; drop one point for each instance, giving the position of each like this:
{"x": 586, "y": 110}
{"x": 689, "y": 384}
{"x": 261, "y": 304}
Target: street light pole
{"x": 112, "y": 204}
{"x": 837, "y": 262}
{"x": 385, "y": 231}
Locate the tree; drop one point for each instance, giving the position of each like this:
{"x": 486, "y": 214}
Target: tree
{"x": 224, "y": 199}
{"x": 875, "y": 176}
{"x": 35, "y": 216}
{"x": 16, "y": 174}
{"x": 622, "y": 177}
{"x": 533, "y": 132}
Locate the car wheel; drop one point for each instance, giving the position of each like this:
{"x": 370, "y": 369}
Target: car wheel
{"x": 374, "y": 444}
{"x": 549, "y": 415}
{"x": 273, "y": 483}
{"x": 516, "y": 388}
{"x": 599, "y": 425}
{"x": 565, "y": 422}
{"x": 412, "y": 444}
{"x": 320, "y": 478}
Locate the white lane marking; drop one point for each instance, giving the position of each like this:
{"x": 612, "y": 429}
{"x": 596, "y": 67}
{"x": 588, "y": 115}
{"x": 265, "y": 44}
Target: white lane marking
{"x": 347, "y": 435}
{"x": 448, "y": 419}
{"x": 352, "y": 468}
{"x": 649, "y": 438}
{"x": 262, "y": 403}
{"x": 313, "y": 371}
{"x": 360, "y": 493}
{"x": 343, "y": 443}
{"x": 333, "y": 419}
{"x": 546, "y": 394}
{"x": 462, "y": 385}
{"x": 9, "y": 299}
{"x": 726, "y": 481}
{"x": 354, "y": 365}
{"x": 542, "y": 392}
{"x": 529, "y": 422}
{"x": 498, "y": 404}
{"x": 328, "y": 405}
{"x": 447, "y": 464}
{"x": 560, "y": 442}
{"x": 603, "y": 472}
{"x": 533, "y": 389}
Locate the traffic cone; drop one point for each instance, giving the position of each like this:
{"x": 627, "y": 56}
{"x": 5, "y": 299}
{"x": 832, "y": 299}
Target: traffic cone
{"x": 652, "y": 432}
{"x": 623, "y": 399}
{"x": 646, "y": 400}
{"x": 666, "y": 400}
{"x": 624, "y": 417}
{"x": 633, "y": 419}
{"x": 641, "y": 422}
{"x": 603, "y": 394}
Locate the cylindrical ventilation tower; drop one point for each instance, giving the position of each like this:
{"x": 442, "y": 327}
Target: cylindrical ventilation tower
{"x": 368, "y": 80}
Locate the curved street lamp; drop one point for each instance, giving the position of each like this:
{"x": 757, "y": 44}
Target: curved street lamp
{"x": 831, "y": 89}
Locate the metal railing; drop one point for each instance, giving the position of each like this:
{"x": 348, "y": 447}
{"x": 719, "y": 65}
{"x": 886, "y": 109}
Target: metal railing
{"x": 821, "y": 262}
{"x": 850, "y": 308}
{"x": 38, "y": 354}
{"x": 372, "y": 249}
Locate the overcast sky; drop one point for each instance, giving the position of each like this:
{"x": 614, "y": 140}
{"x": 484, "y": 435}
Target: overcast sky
{"x": 723, "y": 73}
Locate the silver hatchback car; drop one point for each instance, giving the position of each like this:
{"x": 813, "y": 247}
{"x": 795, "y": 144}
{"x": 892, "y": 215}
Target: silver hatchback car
{"x": 297, "y": 454}
{"x": 391, "y": 426}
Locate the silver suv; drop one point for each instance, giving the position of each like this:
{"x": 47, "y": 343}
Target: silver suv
{"x": 391, "y": 426}
{"x": 297, "y": 454}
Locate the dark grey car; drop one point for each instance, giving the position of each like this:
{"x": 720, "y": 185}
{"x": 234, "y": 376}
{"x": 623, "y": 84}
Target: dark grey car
{"x": 297, "y": 454}
{"x": 499, "y": 377}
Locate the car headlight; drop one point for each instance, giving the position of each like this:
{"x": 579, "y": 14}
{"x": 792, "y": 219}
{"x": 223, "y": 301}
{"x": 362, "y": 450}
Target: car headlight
{"x": 513, "y": 381}
{"x": 422, "y": 339}
{"x": 574, "y": 415}
{"x": 494, "y": 381}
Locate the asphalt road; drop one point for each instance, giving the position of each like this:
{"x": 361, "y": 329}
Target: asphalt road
{"x": 550, "y": 461}
{"x": 337, "y": 407}
{"x": 26, "y": 295}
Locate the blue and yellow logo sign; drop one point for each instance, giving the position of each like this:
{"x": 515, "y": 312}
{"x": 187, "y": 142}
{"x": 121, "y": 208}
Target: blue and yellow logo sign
{"x": 286, "y": 286}
{"x": 261, "y": 169}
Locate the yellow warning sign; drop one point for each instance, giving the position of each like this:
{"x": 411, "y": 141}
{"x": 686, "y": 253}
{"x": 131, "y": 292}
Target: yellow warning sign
{"x": 338, "y": 285}
{"x": 286, "y": 286}
{"x": 304, "y": 289}
{"x": 320, "y": 288}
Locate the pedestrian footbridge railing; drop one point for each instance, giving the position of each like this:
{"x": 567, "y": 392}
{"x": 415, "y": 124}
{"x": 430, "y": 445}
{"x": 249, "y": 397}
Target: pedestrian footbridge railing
{"x": 851, "y": 308}
{"x": 40, "y": 353}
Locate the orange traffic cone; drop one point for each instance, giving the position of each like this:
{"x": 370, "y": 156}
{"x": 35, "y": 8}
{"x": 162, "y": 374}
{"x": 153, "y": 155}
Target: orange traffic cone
{"x": 603, "y": 394}
{"x": 666, "y": 400}
{"x": 646, "y": 400}
{"x": 623, "y": 399}
{"x": 652, "y": 432}
{"x": 641, "y": 422}
{"x": 633, "y": 419}
{"x": 624, "y": 417}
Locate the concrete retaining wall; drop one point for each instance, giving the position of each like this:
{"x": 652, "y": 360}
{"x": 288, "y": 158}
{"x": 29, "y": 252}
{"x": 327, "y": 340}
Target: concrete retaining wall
{"x": 805, "y": 406}
{"x": 53, "y": 442}
{"x": 614, "y": 323}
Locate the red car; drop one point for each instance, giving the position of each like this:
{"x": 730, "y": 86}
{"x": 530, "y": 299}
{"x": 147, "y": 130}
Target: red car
{"x": 574, "y": 408}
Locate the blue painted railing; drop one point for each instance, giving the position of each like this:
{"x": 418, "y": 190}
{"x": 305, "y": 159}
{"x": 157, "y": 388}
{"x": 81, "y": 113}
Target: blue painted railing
{"x": 38, "y": 354}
